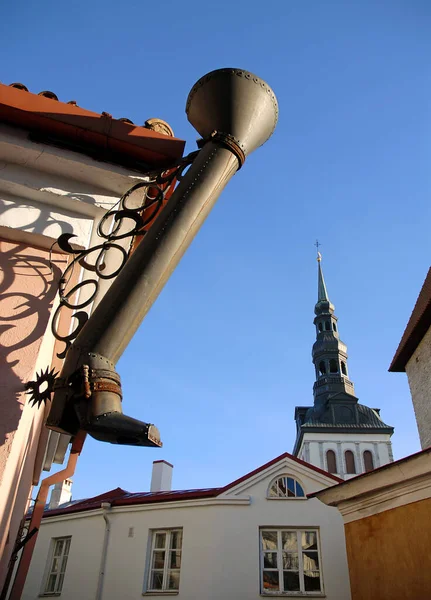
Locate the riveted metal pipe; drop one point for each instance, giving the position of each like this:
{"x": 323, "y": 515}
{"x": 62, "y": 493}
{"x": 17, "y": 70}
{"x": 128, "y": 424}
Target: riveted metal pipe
{"x": 234, "y": 112}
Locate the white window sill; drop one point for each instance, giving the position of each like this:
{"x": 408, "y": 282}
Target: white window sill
{"x": 162, "y": 593}
{"x": 286, "y": 498}
{"x": 293, "y": 595}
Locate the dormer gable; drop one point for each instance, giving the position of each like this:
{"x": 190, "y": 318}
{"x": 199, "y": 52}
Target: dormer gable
{"x": 258, "y": 482}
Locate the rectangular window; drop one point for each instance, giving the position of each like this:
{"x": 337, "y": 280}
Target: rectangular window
{"x": 57, "y": 565}
{"x": 290, "y": 562}
{"x": 165, "y": 560}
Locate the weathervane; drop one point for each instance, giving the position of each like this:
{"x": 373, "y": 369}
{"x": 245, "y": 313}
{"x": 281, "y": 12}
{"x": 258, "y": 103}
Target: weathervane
{"x": 319, "y": 256}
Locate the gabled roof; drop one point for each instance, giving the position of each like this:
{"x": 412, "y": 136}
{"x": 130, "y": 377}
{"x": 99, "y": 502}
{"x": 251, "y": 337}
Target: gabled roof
{"x": 120, "y": 497}
{"x": 99, "y": 135}
{"x": 418, "y": 325}
{"x": 275, "y": 461}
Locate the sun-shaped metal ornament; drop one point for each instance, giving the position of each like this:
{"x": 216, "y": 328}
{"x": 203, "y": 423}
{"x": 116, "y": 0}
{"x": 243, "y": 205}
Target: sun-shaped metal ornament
{"x": 40, "y": 390}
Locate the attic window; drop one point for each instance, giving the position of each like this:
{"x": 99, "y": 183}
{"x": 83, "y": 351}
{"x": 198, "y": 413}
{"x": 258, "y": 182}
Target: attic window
{"x": 285, "y": 487}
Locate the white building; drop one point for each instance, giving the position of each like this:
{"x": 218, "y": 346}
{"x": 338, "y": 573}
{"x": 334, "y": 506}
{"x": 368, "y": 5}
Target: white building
{"x": 257, "y": 536}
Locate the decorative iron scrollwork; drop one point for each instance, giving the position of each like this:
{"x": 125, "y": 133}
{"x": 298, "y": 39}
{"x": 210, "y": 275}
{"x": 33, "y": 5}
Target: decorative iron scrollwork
{"x": 120, "y": 222}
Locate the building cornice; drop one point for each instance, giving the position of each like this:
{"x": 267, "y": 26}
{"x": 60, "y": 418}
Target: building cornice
{"x": 395, "y": 484}
{"x": 245, "y": 501}
{"x": 418, "y": 325}
{"x": 387, "y": 499}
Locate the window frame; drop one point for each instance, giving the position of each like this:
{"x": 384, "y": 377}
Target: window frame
{"x": 168, "y": 531}
{"x": 335, "y": 461}
{"x": 368, "y": 452}
{"x": 60, "y": 575}
{"x": 295, "y": 497}
{"x": 301, "y": 593}
{"x": 355, "y": 466}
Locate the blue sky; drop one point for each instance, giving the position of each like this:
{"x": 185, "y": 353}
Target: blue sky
{"x": 225, "y": 353}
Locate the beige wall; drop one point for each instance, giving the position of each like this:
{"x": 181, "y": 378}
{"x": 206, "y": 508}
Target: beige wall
{"x": 418, "y": 371}
{"x": 44, "y": 191}
{"x": 389, "y": 554}
{"x": 27, "y": 291}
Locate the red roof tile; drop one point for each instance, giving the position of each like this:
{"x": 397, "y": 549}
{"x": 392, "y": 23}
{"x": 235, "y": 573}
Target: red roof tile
{"x": 418, "y": 325}
{"x": 112, "y": 140}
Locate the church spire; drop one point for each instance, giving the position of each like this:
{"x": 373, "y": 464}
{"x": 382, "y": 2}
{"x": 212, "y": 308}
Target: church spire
{"x": 329, "y": 352}
{"x": 322, "y": 294}
{"x": 336, "y": 424}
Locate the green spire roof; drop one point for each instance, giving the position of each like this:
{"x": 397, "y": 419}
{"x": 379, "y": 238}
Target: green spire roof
{"x": 322, "y": 294}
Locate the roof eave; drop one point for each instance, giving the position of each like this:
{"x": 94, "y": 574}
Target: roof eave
{"x": 416, "y": 328}
{"x": 353, "y": 429}
{"x": 82, "y": 128}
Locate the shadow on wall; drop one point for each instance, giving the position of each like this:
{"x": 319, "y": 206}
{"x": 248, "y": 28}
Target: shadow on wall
{"x": 38, "y": 216}
{"x": 28, "y": 286}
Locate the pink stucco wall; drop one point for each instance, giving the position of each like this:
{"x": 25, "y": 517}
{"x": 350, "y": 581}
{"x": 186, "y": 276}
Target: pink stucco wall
{"x": 27, "y": 291}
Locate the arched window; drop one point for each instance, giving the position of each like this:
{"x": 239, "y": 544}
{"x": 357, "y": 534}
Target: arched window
{"x": 285, "y": 487}
{"x": 368, "y": 461}
{"x": 343, "y": 368}
{"x": 331, "y": 461}
{"x": 322, "y": 367}
{"x": 334, "y": 327}
{"x": 333, "y": 368}
{"x": 350, "y": 462}
{"x": 320, "y": 327}
{"x": 327, "y": 326}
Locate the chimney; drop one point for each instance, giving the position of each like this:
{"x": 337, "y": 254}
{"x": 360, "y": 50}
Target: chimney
{"x": 161, "y": 478}
{"x": 61, "y": 494}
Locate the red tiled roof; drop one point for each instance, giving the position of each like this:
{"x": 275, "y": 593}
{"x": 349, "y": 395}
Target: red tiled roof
{"x": 105, "y": 138}
{"x": 418, "y": 325}
{"x": 120, "y": 497}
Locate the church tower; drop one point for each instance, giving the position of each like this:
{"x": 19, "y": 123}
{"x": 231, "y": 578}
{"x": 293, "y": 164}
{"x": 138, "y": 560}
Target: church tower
{"x": 337, "y": 433}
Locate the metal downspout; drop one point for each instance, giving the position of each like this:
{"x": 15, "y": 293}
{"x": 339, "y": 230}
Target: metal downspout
{"x": 106, "y": 507}
{"x": 37, "y": 514}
